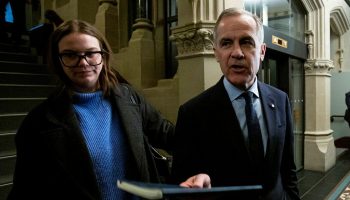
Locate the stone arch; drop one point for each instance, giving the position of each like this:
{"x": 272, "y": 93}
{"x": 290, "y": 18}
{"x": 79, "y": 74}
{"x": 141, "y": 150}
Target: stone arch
{"x": 339, "y": 25}
{"x": 339, "y": 21}
{"x": 312, "y": 5}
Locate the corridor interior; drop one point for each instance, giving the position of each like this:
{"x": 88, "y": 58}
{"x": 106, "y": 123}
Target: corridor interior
{"x": 21, "y": 70}
{"x": 318, "y": 185}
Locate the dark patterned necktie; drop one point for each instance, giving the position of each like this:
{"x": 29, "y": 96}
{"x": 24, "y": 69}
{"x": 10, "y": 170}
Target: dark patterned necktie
{"x": 256, "y": 148}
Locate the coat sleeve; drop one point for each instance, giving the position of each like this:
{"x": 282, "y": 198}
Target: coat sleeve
{"x": 347, "y": 116}
{"x": 159, "y": 130}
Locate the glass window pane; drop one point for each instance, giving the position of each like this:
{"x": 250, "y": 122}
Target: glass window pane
{"x": 284, "y": 16}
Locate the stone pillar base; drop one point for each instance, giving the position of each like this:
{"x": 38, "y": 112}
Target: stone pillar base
{"x": 320, "y": 154}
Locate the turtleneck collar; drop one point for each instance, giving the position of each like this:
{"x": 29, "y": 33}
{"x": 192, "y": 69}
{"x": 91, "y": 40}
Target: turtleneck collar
{"x": 80, "y": 98}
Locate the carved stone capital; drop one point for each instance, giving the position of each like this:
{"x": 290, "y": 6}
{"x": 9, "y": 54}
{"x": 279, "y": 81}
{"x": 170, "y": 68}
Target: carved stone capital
{"x": 318, "y": 66}
{"x": 195, "y": 41}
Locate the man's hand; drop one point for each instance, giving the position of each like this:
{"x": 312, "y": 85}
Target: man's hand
{"x": 197, "y": 181}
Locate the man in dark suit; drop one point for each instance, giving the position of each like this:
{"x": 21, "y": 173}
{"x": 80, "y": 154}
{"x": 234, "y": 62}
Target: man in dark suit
{"x": 212, "y": 132}
{"x": 347, "y": 110}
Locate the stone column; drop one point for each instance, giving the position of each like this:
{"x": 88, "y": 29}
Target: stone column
{"x": 143, "y": 9}
{"x": 319, "y": 149}
{"x": 198, "y": 69}
{"x": 142, "y": 72}
{"x": 107, "y": 21}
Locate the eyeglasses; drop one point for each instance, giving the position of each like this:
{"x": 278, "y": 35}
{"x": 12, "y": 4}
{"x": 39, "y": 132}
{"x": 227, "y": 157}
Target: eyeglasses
{"x": 72, "y": 59}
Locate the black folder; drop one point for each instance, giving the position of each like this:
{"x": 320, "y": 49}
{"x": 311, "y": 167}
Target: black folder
{"x": 169, "y": 191}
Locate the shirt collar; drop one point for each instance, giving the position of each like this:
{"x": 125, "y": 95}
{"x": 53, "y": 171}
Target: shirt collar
{"x": 234, "y": 92}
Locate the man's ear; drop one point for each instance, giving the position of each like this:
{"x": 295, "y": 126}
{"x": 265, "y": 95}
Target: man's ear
{"x": 262, "y": 51}
{"x": 215, "y": 53}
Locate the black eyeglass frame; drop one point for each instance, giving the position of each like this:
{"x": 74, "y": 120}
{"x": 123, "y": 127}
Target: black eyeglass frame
{"x": 80, "y": 57}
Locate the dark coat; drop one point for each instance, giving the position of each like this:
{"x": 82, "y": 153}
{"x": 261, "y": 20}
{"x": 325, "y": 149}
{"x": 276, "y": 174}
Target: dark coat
{"x": 347, "y": 110}
{"x": 52, "y": 158}
{"x": 209, "y": 140}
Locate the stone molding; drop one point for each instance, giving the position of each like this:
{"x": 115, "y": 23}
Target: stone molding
{"x": 318, "y": 133}
{"x": 338, "y": 21}
{"x": 143, "y": 23}
{"x": 113, "y": 2}
{"x": 310, "y": 43}
{"x": 341, "y": 58}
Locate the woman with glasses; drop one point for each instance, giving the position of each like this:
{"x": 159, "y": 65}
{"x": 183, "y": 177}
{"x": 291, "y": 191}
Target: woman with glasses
{"x": 89, "y": 133}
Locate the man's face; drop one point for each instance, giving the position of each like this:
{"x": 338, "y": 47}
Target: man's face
{"x": 238, "y": 50}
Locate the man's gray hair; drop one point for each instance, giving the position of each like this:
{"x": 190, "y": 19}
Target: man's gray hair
{"x": 238, "y": 12}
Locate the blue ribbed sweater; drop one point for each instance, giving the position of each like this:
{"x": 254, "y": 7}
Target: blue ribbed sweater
{"x": 105, "y": 141}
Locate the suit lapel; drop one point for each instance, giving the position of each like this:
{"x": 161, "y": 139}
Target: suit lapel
{"x": 268, "y": 104}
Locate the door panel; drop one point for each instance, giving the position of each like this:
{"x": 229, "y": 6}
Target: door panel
{"x": 286, "y": 73}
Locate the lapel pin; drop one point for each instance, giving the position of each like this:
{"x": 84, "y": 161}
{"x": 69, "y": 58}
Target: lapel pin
{"x": 272, "y": 105}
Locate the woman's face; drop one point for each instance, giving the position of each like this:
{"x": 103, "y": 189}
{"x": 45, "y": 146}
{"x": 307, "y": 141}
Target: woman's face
{"x": 81, "y": 59}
